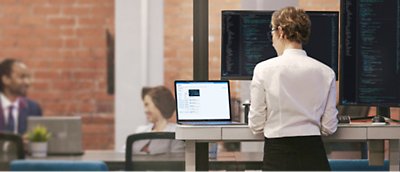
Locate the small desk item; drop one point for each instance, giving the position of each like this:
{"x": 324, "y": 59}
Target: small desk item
{"x": 11, "y": 148}
{"x": 66, "y": 133}
{"x": 203, "y": 103}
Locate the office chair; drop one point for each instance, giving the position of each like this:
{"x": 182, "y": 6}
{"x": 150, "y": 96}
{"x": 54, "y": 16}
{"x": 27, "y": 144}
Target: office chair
{"x": 11, "y": 148}
{"x": 167, "y": 166}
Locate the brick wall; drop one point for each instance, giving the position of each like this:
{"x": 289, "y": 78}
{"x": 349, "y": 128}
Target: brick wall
{"x": 63, "y": 42}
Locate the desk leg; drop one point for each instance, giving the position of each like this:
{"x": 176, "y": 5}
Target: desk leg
{"x": 190, "y": 156}
{"x": 196, "y": 156}
{"x": 202, "y": 156}
{"x": 394, "y": 154}
{"x": 376, "y": 152}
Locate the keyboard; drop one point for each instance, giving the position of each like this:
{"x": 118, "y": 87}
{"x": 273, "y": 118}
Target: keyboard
{"x": 344, "y": 119}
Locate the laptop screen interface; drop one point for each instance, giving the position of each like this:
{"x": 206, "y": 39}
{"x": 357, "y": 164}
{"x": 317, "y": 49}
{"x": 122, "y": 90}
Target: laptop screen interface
{"x": 198, "y": 100}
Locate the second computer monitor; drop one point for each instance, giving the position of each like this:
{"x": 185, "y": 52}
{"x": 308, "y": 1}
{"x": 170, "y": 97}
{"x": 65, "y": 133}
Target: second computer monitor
{"x": 246, "y": 41}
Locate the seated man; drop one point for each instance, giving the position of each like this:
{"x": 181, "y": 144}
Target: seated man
{"x": 15, "y": 107}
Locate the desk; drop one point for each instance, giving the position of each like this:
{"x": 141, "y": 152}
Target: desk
{"x": 199, "y": 136}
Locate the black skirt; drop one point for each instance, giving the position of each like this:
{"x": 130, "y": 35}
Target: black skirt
{"x": 302, "y": 153}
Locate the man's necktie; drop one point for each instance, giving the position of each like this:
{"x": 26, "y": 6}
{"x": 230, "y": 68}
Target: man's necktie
{"x": 10, "y": 124}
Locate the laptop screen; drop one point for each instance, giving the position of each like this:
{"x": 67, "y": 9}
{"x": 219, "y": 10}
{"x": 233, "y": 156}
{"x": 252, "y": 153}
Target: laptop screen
{"x": 202, "y": 100}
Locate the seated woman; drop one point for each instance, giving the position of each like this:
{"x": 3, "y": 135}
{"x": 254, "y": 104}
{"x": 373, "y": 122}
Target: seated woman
{"x": 159, "y": 106}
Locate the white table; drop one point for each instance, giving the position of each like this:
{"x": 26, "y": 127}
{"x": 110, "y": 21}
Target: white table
{"x": 201, "y": 135}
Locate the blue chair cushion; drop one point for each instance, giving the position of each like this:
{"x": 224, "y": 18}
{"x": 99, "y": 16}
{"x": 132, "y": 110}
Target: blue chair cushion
{"x": 356, "y": 165}
{"x": 57, "y": 165}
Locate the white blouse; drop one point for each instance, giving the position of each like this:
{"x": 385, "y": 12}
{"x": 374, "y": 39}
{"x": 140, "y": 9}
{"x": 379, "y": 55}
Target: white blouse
{"x": 293, "y": 95}
{"x": 158, "y": 146}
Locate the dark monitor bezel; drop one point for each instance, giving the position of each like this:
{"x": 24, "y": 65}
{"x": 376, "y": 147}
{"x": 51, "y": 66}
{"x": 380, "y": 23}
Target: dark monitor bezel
{"x": 342, "y": 63}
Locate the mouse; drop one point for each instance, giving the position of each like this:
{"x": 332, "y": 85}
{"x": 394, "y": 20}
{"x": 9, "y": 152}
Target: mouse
{"x": 378, "y": 119}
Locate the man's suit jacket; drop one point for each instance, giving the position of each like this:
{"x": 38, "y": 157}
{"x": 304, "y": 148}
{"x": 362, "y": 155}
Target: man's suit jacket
{"x": 27, "y": 108}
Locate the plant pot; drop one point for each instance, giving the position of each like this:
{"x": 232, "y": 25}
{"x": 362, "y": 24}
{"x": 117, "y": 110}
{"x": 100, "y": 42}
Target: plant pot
{"x": 38, "y": 149}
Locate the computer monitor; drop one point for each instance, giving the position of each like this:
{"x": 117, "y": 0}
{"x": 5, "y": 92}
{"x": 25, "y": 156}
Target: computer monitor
{"x": 370, "y": 53}
{"x": 246, "y": 41}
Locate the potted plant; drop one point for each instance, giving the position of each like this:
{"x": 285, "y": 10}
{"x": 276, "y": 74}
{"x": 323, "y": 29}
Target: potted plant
{"x": 38, "y": 138}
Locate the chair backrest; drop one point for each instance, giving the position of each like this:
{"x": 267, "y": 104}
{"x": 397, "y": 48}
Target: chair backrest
{"x": 11, "y": 148}
{"x": 146, "y": 136}
{"x": 57, "y": 165}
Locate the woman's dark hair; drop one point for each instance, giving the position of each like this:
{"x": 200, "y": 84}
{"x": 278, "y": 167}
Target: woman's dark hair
{"x": 295, "y": 24}
{"x": 162, "y": 99}
{"x": 6, "y": 70}
{"x": 145, "y": 91}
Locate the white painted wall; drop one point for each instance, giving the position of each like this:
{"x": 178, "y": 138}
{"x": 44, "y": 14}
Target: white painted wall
{"x": 139, "y": 58}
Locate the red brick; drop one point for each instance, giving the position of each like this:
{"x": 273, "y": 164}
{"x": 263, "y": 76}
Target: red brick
{"x": 8, "y": 2}
{"x": 105, "y": 106}
{"x": 30, "y": 43}
{"x": 86, "y": 108}
{"x": 31, "y": 2}
{"x": 43, "y": 53}
{"x": 103, "y": 11}
{"x": 44, "y": 32}
{"x": 72, "y": 43}
{"x": 16, "y": 53}
{"x": 53, "y": 43}
{"x": 8, "y": 20}
{"x": 96, "y": 128}
{"x": 94, "y": 42}
{"x": 46, "y": 74}
{"x": 62, "y": 21}
{"x": 8, "y": 42}
{"x": 9, "y": 10}
{"x": 90, "y": 32}
{"x": 68, "y": 32}
{"x": 101, "y": 53}
{"x": 99, "y": 119}
{"x": 20, "y": 32}
{"x": 46, "y": 10}
{"x": 32, "y": 20}
{"x": 91, "y": 21}
{"x": 63, "y": 2}
{"x": 77, "y": 11}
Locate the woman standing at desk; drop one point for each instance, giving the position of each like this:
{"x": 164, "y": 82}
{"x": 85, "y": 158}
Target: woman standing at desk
{"x": 293, "y": 98}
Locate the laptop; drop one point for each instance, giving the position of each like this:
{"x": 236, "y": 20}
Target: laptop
{"x": 66, "y": 133}
{"x": 203, "y": 103}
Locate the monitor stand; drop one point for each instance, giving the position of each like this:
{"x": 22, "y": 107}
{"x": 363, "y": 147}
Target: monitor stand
{"x": 382, "y": 112}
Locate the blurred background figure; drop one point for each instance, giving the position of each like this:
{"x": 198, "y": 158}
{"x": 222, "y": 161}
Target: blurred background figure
{"x": 15, "y": 108}
{"x": 159, "y": 106}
